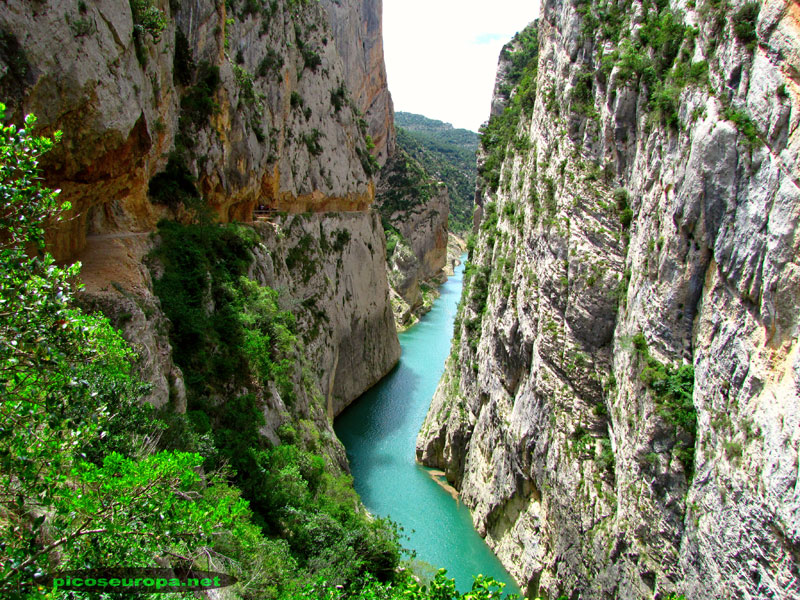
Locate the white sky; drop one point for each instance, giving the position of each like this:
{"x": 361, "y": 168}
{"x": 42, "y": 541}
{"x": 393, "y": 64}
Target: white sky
{"x": 441, "y": 55}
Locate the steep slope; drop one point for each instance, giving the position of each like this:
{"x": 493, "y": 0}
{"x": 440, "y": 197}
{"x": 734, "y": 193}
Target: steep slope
{"x": 251, "y": 99}
{"x": 359, "y": 41}
{"x": 620, "y": 410}
{"x": 345, "y": 318}
{"x": 200, "y": 111}
{"x": 449, "y": 155}
{"x": 414, "y": 209}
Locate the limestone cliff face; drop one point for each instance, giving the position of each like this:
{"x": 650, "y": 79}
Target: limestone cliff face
{"x": 257, "y": 103}
{"x": 220, "y": 107}
{"x": 344, "y": 315}
{"x": 417, "y": 265}
{"x": 359, "y": 41}
{"x": 639, "y": 225}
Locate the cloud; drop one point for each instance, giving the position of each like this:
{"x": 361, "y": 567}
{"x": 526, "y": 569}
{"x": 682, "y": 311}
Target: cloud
{"x": 441, "y": 55}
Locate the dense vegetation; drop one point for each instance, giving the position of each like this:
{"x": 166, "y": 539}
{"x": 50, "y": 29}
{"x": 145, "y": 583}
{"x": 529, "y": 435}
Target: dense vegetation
{"x": 673, "y": 386}
{"x": 446, "y": 153}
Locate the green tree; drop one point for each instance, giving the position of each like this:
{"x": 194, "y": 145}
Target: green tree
{"x": 74, "y": 490}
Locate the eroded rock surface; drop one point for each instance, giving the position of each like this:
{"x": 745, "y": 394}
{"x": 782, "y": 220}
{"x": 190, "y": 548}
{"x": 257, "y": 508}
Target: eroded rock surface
{"x": 258, "y": 105}
{"x": 549, "y": 419}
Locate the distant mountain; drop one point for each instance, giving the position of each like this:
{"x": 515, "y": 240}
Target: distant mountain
{"x": 443, "y": 132}
{"x": 447, "y": 154}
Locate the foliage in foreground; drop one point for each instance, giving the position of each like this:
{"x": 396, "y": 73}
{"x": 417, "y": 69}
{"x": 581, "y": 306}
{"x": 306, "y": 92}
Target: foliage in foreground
{"x": 406, "y": 587}
{"x": 80, "y": 483}
{"x": 230, "y": 333}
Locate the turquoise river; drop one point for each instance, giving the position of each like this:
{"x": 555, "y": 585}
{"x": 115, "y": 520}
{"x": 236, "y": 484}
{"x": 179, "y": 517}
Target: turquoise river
{"x": 379, "y": 431}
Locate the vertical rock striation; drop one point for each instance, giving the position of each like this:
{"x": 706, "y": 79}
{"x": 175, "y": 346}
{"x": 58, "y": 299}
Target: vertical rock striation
{"x": 359, "y": 41}
{"x": 207, "y": 110}
{"x": 254, "y": 104}
{"x": 621, "y": 407}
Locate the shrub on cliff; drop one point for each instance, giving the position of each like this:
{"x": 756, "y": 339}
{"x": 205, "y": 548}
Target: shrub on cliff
{"x": 174, "y": 185}
{"x": 147, "y": 18}
{"x": 744, "y": 24}
{"x": 674, "y": 394}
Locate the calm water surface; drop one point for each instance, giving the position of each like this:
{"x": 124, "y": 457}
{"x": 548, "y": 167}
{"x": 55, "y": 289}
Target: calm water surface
{"x": 379, "y": 431}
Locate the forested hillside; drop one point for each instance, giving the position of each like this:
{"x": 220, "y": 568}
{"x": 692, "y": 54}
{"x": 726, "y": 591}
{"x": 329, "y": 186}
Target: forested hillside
{"x": 446, "y": 153}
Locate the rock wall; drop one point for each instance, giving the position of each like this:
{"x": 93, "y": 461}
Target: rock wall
{"x": 360, "y": 44}
{"x": 119, "y": 284}
{"x": 424, "y": 227}
{"x": 256, "y": 101}
{"x": 210, "y": 109}
{"x": 344, "y": 315}
{"x": 639, "y": 226}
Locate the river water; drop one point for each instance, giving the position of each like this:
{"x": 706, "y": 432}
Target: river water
{"x": 379, "y": 431}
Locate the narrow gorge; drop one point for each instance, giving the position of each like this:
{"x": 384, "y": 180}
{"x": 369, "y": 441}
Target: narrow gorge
{"x": 252, "y": 226}
{"x": 216, "y": 167}
{"x": 219, "y": 161}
